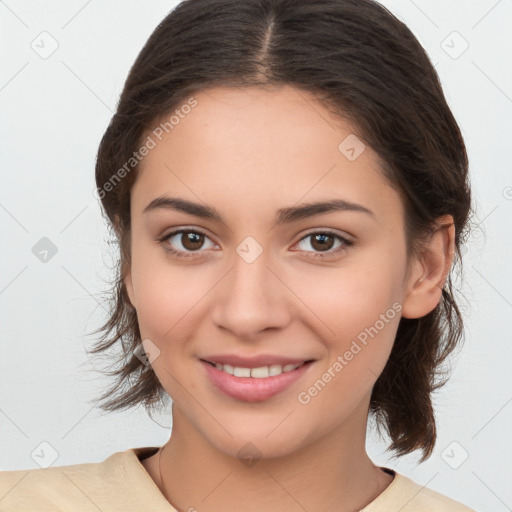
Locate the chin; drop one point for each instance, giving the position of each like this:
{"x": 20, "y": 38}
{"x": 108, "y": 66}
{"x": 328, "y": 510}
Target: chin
{"x": 259, "y": 443}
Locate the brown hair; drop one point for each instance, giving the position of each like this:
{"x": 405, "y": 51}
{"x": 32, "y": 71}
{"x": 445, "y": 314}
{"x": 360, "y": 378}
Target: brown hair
{"x": 367, "y": 66}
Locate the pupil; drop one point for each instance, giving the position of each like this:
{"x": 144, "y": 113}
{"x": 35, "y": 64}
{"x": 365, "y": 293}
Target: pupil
{"x": 194, "y": 239}
{"x": 322, "y": 238}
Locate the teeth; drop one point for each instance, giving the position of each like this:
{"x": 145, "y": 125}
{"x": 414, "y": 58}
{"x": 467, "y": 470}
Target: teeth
{"x": 241, "y": 372}
{"x": 275, "y": 369}
{"x": 258, "y": 373}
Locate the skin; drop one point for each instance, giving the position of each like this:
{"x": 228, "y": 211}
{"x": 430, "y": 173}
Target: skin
{"x": 248, "y": 153}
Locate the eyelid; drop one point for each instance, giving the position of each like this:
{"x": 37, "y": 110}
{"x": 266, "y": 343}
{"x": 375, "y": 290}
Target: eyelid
{"x": 184, "y": 229}
{"x": 328, "y": 231}
{"x": 180, "y": 229}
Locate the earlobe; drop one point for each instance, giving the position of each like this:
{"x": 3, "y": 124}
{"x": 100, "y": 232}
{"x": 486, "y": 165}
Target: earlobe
{"x": 425, "y": 286}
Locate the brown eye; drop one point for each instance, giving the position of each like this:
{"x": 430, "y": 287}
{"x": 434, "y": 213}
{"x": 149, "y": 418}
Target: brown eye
{"x": 183, "y": 242}
{"x": 323, "y": 242}
{"x": 191, "y": 241}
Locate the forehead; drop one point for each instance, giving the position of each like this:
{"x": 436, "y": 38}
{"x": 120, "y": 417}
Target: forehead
{"x": 260, "y": 146}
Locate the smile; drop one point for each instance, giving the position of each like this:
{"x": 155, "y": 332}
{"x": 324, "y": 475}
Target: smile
{"x": 262, "y": 372}
{"x": 254, "y": 384}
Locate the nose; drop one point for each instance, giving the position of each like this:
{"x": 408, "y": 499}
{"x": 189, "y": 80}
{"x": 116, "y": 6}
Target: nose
{"x": 252, "y": 297}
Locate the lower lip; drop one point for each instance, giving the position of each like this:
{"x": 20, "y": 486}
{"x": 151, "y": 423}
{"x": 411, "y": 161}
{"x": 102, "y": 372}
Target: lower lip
{"x": 252, "y": 389}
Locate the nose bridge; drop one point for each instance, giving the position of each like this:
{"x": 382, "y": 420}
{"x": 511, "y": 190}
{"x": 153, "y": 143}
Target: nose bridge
{"x": 251, "y": 298}
{"x": 250, "y": 275}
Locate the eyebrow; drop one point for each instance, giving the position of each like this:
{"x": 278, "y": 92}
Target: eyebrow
{"x": 283, "y": 216}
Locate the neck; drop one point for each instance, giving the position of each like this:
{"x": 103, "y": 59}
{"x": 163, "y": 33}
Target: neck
{"x": 334, "y": 473}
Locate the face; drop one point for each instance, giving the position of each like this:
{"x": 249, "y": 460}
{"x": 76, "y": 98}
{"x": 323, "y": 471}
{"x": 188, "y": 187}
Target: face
{"x": 266, "y": 287}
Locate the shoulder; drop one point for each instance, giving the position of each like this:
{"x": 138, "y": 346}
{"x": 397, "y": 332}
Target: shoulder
{"x": 406, "y": 495}
{"x": 50, "y": 488}
{"x": 426, "y": 499}
{"x": 76, "y": 487}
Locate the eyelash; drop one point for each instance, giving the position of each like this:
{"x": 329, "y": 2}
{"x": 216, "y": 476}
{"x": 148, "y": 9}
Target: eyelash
{"x": 184, "y": 254}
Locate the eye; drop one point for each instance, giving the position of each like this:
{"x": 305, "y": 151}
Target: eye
{"x": 323, "y": 241}
{"x": 187, "y": 241}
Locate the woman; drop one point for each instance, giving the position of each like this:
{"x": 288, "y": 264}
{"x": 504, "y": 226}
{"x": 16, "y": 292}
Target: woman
{"x": 290, "y": 191}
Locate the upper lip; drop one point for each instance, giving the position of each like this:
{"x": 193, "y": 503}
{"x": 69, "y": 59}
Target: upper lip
{"x": 254, "y": 361}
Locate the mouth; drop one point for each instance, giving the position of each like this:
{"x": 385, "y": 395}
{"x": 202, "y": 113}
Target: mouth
{"x": 254, "y": 383}
{"x": 260, "y": 372}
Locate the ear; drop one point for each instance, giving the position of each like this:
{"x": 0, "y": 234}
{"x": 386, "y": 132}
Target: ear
{"x": 127, "y": 280}
{"x": 430, "y": 270}
{"x": 126, "y": 260}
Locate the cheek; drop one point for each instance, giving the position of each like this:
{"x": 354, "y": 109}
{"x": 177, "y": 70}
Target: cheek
{"x": 163, "y": 305}
{"x": 170, "y": 300}
{"x": 356, "y": 313}
{"x": 342, "y": 302}
{"x": 356, "y": 358}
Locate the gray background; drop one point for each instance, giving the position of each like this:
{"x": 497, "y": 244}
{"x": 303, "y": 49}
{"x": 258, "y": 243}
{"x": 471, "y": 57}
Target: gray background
{"x": 54, "y": 109}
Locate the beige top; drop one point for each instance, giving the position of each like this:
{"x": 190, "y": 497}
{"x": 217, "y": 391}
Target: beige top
{"x": 121, "y": 483}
